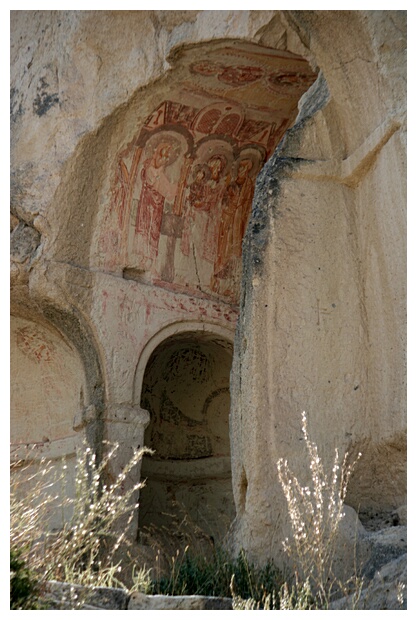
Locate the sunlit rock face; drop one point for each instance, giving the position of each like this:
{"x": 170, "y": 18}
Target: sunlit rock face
{"x": 322, "y": 315}
{"x": 175, "y": 175}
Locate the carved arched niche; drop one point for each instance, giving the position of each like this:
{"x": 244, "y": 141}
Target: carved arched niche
{"x": 48, "y": 387}
{"x": 48, "y": 397}
{"x": 179, "y": 192}
{"x": 186, "y": 391}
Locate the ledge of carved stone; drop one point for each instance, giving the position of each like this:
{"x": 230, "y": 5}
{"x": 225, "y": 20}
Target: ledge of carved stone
{"x": 59, "y": 595}
{"x": 210, "y": 467}
{"x": 55, "y": 449}
{"x": 159, "y": 601}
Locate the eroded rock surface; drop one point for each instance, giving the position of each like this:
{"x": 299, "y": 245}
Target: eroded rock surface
{"x": 137, "y": 139}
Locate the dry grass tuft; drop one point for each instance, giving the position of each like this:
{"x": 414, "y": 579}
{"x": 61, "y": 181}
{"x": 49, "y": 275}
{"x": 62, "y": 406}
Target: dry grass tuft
{"x": 315, "y": 512}
{"x": 83, "y": 550}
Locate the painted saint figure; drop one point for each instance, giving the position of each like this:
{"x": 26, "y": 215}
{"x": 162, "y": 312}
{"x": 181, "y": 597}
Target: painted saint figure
{"x": 235, "y": 214}
{"x": 215, "y": 188}
{"x": 204, "y": 200}
{"x": 156, "y": 189}
{"x": 196, "y": 202}
{"x": 240, "y": 195}
{"x": 198, "y": 192}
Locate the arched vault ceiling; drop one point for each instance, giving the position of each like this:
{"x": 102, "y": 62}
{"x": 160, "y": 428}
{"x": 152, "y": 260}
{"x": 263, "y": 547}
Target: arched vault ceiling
{"x": 182, "y": 187}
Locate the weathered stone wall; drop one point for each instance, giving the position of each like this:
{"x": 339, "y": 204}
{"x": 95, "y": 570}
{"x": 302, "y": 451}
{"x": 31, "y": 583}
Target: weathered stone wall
{"x": 323, "y": 304}
{"x": 120, "y": 114}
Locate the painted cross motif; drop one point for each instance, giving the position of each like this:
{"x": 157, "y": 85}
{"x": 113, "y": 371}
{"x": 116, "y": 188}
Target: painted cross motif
{"x": 320, "y": 311}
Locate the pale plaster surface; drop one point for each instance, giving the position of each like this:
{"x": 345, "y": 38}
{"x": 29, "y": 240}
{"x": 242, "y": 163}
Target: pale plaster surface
{"x": 47, "y": 385}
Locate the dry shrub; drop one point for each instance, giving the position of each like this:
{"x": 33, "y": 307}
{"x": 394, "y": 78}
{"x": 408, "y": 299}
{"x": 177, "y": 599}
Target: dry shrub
{"x": 90, "y": 547}
{"x": 83, "y": 550}
{"x": 315, "y": 512}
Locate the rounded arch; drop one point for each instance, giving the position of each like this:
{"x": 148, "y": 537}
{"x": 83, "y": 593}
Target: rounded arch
{"x": 53, "y": 337}
{"x": 48, "y": 388}
{"x": 56, "y": 401}
{"x": 77, "y": 330}
{"x": 173, "y": 329}
{"x": 219, "y": 117}
{"x": 183, "y": 381}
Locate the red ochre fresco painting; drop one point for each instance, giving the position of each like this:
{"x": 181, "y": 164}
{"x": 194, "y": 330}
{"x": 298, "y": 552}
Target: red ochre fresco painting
{"x": 47, "y": 384}
{"x": 286, "y": 81}
{"x": 35, "y": 345}
{"x": 183, "y": 188}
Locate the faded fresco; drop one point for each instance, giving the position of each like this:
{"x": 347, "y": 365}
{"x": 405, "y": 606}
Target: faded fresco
{"x": 47, "y": 385}
{"x": 186, "y": 391}
{"x": 182, "y": 190}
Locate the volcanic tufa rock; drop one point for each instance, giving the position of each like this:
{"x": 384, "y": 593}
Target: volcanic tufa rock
{"x": 208, "y": 225}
